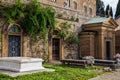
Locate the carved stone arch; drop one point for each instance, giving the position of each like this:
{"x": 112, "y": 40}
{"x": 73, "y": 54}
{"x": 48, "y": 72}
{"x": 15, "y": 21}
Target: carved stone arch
{"x": 7, "y": 26}
{"x": 15, "y": 25}
{"x": 75, "y": 4}
{"x": 4, "y": 28}
{"x": 12, "y": 40}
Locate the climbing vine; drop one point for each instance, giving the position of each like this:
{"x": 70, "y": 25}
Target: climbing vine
{"x": 65, "y": 32}
{"x": 34, "y": 19}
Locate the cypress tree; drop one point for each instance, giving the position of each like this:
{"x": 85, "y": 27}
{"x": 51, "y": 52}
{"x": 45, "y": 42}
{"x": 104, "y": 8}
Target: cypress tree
{"x": 117, "y": 10}
{"x": 107, "y": 10}
{"x": 100, "y": 8}
{"x": 111, "y": 12}
{"x": 102, "y": 13}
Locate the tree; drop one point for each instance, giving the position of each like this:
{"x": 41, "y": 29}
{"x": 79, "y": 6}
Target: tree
{"x": 107, "y": 11}
{"x": 102, "y": 13}
{"x": 117, "y": 10}
{"x": 100, "y": 8}
{"x": 111, "y": 12}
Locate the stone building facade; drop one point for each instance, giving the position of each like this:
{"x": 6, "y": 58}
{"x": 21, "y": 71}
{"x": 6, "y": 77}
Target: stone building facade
{"x": 117, "y": 36}
{"x": 98, "y": 37}
{"x": 81, "y": 9}
{"x": 76, "y": 13}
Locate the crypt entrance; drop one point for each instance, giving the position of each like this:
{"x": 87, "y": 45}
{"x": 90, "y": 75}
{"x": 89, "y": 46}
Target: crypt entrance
{"x": 98, "y": 38}
{"x": 12, "y": 41}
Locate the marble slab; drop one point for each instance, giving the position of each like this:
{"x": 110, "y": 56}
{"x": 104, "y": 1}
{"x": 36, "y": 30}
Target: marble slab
{"x": 21, "y": 64}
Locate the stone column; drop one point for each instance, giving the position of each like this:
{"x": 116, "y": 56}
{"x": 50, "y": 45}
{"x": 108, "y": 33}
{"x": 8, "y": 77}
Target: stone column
{"x": 113, "y": 46}
{"x": 62, "y": 49}
{"x": 50, "y": 49}
{"x": 4, "y": 45}
{"x": 101, "y": 45}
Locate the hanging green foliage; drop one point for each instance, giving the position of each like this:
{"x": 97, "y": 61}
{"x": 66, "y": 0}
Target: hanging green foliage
{"x": 13, "y": 12}
{"x": 33, "y": 18}
{"x": 36, "y": 20}
{"x": 73, "y": 39}
{"x": 64, "y": 30}
{"x": 66, "y": 33}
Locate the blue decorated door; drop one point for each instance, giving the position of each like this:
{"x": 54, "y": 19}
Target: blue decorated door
{"x": 14, "y": 46}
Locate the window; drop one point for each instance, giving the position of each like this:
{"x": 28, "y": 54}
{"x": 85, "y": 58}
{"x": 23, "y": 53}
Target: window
{"x": 53, "y": 0}
{"x": 90, "y": 11}
{"x": 14, "y": 28}
{"x": 85, "y": 9}
{"x": 67, "y": 4}
{"x": 75, "y": 5}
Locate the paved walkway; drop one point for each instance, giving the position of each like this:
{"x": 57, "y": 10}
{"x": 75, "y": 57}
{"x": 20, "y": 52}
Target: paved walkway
{"x": 109, "y": 76}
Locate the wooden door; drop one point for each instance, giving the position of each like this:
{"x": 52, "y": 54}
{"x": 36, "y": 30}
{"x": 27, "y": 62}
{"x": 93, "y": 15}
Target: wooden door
{"x": 108, "y": 51}
{"x": 56, "y": 49}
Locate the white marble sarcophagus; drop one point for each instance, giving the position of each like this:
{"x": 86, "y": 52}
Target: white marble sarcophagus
{"x": 21, "y": 64}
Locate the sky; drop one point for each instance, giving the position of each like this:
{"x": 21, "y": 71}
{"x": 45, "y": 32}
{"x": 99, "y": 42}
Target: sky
{"x": 112, "y": 3}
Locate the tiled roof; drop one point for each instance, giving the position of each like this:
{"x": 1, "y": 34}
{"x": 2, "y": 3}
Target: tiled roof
{"x": 96, "y": 20}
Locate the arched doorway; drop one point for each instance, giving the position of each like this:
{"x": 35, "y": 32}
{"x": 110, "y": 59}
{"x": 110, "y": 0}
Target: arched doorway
{"x": 12, "y": 41}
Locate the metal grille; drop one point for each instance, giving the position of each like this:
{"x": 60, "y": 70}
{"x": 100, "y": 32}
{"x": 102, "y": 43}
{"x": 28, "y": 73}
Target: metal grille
{"x": 14, "y": 46}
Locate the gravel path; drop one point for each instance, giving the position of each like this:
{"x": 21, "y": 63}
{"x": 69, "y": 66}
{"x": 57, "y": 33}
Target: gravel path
{"x": 109, "y": 76}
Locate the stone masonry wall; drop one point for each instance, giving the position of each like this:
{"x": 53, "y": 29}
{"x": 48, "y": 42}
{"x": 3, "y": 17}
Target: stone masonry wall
{"x": 38, "y": 49}
{"x": 117, "y": 37}
{"x": 71, "y": 51}
{"x": 0, "y": 42}
{"x": 87, "y": 44}
{"x": 1, "y": 25}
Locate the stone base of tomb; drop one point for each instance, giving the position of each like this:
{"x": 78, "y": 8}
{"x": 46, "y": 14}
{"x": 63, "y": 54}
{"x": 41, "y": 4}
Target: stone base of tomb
{"x": 21, "y": 64}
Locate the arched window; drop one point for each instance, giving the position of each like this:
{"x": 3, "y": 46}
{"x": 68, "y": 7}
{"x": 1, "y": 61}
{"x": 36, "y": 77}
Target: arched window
{"x": 75, "y": 5}
{"x": 90, "y": 11}
{"x": 14, "y": 28}
{"x": 85, "y": 9}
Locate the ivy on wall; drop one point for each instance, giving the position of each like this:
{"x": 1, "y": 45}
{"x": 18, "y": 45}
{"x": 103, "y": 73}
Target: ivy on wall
{"x": 34, "y": 19}
{"x": 66, "y": 33}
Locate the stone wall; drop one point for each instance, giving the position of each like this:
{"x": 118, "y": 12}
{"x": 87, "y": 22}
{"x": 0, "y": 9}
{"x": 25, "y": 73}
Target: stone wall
{"x": 80, "y": 5}
{"x": 117, "y": 41}
{"x": 39, "y": 49}
{"x": 71, "y": 51}
{"x": 87, "y": 43}
{"x": 117, "y": 37}
{"x": 0, "y": 43}
{"x": 118, "y": 21}
{"x": 2, "y": 20}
